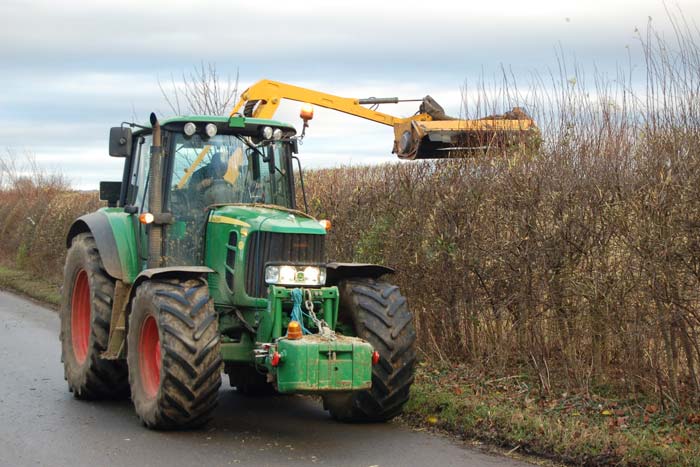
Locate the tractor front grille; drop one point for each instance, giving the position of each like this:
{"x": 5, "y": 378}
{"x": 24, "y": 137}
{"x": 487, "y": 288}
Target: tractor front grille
{"x": 264, "y": 247}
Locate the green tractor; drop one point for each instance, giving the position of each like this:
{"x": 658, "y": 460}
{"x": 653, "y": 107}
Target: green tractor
{"x": 202, "y": 264}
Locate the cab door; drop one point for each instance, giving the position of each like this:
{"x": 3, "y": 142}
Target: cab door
{"x": 137, "y": 194}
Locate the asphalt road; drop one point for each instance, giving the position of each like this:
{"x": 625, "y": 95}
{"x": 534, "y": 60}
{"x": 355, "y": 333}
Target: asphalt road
{"x": 42, "y": 424}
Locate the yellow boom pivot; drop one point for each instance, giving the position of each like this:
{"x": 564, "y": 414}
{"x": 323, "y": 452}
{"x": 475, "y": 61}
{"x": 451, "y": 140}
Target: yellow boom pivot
{"x": 429, "y": 134}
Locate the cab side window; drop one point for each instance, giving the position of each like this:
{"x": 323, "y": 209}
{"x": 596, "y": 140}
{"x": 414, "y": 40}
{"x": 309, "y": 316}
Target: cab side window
{"x": 138, "y": 181}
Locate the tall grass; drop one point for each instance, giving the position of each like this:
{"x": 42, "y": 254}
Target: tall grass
{"x": 578, "y": 262}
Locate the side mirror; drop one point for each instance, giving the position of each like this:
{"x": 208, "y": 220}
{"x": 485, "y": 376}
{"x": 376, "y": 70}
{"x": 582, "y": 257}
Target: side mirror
{"x": 120, "y": 142}
{"x": 295, "y": 146}
{"x": 110, "y": 192}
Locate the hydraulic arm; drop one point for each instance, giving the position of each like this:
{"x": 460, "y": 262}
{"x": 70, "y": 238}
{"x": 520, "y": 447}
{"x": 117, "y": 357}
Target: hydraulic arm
{"x": 429, "y": 134}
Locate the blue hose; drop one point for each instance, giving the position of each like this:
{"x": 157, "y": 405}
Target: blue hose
{"x": 297, "y": 312}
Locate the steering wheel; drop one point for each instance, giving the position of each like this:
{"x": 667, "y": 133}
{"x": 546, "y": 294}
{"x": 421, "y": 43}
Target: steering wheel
{"x": 219, "y": 191}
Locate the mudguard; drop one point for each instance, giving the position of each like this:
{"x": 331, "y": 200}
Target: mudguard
{"x": 123, "y": 294}
{"x": 335, "y": 272}
{"x": 178, "y": 271}
{"x": 98, "y": 224}
{"x": 173, "y": 271}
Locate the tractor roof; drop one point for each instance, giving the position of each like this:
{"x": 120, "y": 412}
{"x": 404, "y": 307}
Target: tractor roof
{"x": 247, "y": 124}
{"x": 225, "y": 119}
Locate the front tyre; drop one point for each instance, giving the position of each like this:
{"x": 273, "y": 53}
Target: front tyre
{"x": 174, "y": 354}
{"x": 86, "y": 312}
{"x": 379, "y": 315}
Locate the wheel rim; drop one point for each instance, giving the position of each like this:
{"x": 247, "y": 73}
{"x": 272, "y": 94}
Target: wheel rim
{"x": 149, "y": 357}
{"x": 80, "y": 317}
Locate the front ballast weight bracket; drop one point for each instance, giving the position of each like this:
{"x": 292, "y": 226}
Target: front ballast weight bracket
{"x": 318, "y": 360}
{"x": 276, "y": 318}
{"x": 280, "y": 298}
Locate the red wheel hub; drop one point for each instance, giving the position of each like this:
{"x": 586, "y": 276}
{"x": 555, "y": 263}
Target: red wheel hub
{"x": 80, "y": 317}
{"x": 149, "y": 357}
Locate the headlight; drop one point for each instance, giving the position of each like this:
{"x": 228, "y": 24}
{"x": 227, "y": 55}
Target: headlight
{"x": 288, "y": 275}
{"x": 267, "y": 132}
{"x": 295, "y": 275}
{"x": 277, "y": 134}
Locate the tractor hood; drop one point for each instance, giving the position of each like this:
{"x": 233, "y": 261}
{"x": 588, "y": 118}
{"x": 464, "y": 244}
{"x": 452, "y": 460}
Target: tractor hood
{"x": 266, "y": 218}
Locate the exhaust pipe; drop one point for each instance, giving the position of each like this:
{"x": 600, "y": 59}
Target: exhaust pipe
{"x": 155, "y": 198}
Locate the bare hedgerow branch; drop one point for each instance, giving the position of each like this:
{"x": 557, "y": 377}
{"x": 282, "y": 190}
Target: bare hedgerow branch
{"x": 22, "y": 172}
{"x": 578, "y": 262}
{"x": 201, "y": 92}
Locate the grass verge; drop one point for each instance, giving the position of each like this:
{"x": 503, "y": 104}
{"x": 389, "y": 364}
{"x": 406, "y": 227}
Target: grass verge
{"x": 577, "y": 429}
{"x": 28, "y": 284}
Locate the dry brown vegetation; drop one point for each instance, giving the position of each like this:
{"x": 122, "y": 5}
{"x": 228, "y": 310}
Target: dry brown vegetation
{"x": 578, "y": 263}
{"x": 36, "y": 209}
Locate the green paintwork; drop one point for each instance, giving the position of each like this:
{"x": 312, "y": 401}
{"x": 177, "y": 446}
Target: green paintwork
{"x": 236, "y": 122}
{"x": 123, "y": 229}
{"x": 249, "y": 219}
{"x": 271, "y": 220}
{"x": 314, "y": 364}
{"x": 239, "y": 352}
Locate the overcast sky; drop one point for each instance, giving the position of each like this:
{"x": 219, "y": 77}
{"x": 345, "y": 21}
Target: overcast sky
{"x": 73, "y": 68}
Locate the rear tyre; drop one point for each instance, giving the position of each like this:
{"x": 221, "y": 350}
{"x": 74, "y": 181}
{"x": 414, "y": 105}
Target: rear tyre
{"x": 86, "y": 312}
{"x": 174, "y": 354}
{"x": 380, "y": 315}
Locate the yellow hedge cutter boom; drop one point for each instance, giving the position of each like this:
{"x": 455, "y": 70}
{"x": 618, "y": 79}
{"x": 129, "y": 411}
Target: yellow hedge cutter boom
{"x": 429, "y": 134}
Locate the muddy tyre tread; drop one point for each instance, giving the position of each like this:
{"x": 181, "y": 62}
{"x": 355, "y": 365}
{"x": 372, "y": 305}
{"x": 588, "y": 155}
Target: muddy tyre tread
{"x": 190, "y": 348}
{"x": 380, "y": 315}
{"x": 100, "y": 378}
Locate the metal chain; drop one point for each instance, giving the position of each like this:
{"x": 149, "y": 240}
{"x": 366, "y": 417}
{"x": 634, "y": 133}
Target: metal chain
{"x": 323, "y": 329}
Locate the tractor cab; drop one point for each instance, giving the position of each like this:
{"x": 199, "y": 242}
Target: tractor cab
{"x": 209, "y": 162}
{"x": 224, "y": 169}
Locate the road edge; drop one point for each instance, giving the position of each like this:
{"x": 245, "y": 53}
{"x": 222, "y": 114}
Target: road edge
{"x": 27, "y": 285}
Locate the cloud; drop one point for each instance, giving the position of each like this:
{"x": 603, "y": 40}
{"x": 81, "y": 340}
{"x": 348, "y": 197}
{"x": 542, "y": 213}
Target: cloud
{"x": 382, "y": 36}
{"x": 72, "y": 69}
